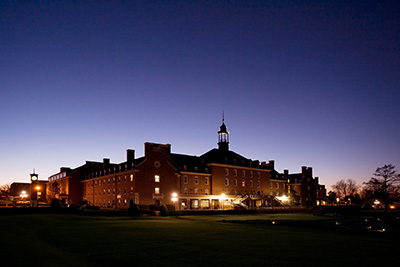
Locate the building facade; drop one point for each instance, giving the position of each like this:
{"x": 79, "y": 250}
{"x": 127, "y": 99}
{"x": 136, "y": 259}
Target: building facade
{"x": 218, "y": 179}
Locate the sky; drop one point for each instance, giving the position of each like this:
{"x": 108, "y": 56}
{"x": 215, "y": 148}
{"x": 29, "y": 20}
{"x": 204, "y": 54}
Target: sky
{"x": 304, "y": 83}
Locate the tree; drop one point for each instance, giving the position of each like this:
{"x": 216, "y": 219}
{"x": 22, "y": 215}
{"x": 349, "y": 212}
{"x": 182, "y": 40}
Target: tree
{"x": 345, "y": 188}
{"x": 5, "y": 190}
{"x": 384, "y": 184}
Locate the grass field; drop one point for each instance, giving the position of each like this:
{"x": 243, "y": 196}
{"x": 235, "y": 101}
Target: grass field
{"x": 220, "y": 240}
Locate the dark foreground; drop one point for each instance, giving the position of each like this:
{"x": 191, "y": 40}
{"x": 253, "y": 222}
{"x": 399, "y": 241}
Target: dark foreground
{"x": 220, "y": 240}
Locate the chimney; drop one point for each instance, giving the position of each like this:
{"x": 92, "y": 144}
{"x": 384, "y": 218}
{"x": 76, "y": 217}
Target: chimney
{"x": 286, "y": 173}
{"x": 106, "y": 162}
{"x": 130, "y": 155}
{"x": 271, "y": 163}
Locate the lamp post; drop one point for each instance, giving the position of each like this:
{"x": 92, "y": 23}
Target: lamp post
{"x": 223, "y": 196}
{"x": 174, "y": 199}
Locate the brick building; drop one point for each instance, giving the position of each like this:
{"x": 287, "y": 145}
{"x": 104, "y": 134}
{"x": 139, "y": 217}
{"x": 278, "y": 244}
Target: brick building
{"x": 218, "y": 179}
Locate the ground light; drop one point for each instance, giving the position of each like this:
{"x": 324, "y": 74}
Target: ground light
{"x": 223, "y": 196}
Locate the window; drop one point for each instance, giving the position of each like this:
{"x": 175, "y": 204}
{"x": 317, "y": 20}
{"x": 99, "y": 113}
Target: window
{"x": 277, "y": 185}
{"x": 206, "y": 192}
{"x": 196, "y": 191}
{"x": 119, "y": 179}
{"x": 258, "y": 183}
{"x": 195, "y": 168}
{"x": 196, "y": 180}
{"x": 258, "y": 174}
{"x": 156, "y": 178}
{"x": 226, "y": 181}
{"x": 124, "y": 178}
{"x": 185, "y": 179}
{"x": 99, "y": 182}
{"x": 270, "y": 184}
{"x": 234, "y": 172}
{"x": 157, "y": 190}
{"x": 243, "y": 173}
{"x": 235, "y": 182}
{"x": 251, "y": 174}
{"x": 131, "y": 177}
{"x": 184, "y": 167}
{"x": 206, "y": 181}
{"x": 185, "y": 190}
{"x": 283, "y": 186}
{"x": 226, "y": 171}
{"x": 243, "y": 183}
{"x": 251, "y": 183}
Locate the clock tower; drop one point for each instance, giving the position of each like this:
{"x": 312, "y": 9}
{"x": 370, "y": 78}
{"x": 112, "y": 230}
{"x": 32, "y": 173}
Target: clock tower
{"x": 34, "y": 188}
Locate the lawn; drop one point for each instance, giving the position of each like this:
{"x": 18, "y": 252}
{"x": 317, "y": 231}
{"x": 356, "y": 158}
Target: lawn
{"x": 220, "y": 240}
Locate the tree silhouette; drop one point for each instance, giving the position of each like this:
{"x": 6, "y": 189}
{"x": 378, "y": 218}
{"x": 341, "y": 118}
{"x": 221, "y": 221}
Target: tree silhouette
{"x": 384, "y": 184}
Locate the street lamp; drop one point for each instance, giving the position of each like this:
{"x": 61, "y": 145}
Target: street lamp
{"x": 174, "y": 198}
{"x": 23, "y": 194}
{"x": 223, "y": 196}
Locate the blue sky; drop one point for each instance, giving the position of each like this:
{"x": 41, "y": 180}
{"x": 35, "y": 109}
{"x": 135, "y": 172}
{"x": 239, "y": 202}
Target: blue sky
{"x": 312, "y": 83}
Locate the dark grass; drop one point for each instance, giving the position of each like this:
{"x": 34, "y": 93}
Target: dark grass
{"x": 220, "y": 240}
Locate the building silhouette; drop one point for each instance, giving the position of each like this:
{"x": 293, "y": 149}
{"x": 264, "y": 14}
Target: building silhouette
{"x": 219, "y": 178}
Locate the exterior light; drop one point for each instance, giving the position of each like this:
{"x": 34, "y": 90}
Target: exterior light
{"x": 376, "y": 202}
{"x": 37, "y": 187}
{"x": 174, "y": 197}
{"x": 23, "y": 194}
{"x": 223, "y": 196}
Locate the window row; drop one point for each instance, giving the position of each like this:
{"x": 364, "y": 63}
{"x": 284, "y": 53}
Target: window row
{"x": 235, "y": 182}
{"x": 277, "y": 185}
{"x": 196, "y": 191}
{"x": 108, "y": 181}
{"x": 235, "y": 173}
{"x": 196, "y": 180}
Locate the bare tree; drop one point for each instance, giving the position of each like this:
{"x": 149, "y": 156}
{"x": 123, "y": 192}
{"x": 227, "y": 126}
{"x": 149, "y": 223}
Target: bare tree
{"x": 345, "y": 188}
{"x": 384, "y": 184}
{"x": 5, "y": 189}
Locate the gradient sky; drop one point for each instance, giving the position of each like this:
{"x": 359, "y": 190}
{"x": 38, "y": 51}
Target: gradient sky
{"x": 312, "y": 83}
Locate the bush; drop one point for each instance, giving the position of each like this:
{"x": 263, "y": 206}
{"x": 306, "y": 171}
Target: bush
{"x": 164, "y": 210}
{"x": 133, "y": 209}
{"x": 55, "y": 203}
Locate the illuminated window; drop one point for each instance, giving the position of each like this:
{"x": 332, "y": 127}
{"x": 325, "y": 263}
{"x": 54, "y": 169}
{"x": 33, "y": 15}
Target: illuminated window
{"x": 206, "y": 180}
{"x": 226, "y": 181}
{"x": 157, "y": 190}
{"x": 196, "y": 180}
{"x": 185, "y": 179}
{"x": 243, "y": 183}
{"x": 157, "y": 178}
{"x": 131, "y": 177}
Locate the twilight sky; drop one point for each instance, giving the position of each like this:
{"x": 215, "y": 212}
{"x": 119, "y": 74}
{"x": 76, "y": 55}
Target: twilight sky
{"x": 314, "y": 83}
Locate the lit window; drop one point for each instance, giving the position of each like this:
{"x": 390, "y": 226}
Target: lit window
{"x": 226, "y": 181}
{"x": 157, "y": 178}
{"x": 157, "y": 190}
{"x": 196, "y": 180}
{"x": 185, "y": 179}
{"x": 243, "y": 183}
{"x": 206, "y": 180}
{"x": 131, "y": 177}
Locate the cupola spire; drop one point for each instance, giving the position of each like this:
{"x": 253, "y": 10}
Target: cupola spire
{"x": 223, "y": 135}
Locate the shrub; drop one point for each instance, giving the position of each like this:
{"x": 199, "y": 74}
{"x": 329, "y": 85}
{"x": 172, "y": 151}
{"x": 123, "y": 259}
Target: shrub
{"x": 133, "y": 209}
{"x": 55, "y": 203}
{"x": 164, "y": 210}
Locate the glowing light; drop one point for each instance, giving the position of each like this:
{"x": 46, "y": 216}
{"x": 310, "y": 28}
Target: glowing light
{"x": 273, "y": 222}
{"x": 23, "y": 194}
{"x": 223, "y": 196}
{"x": 283, "y": 198}
{"x": 174, "y": 197}
{"x": 37, "y": 187}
